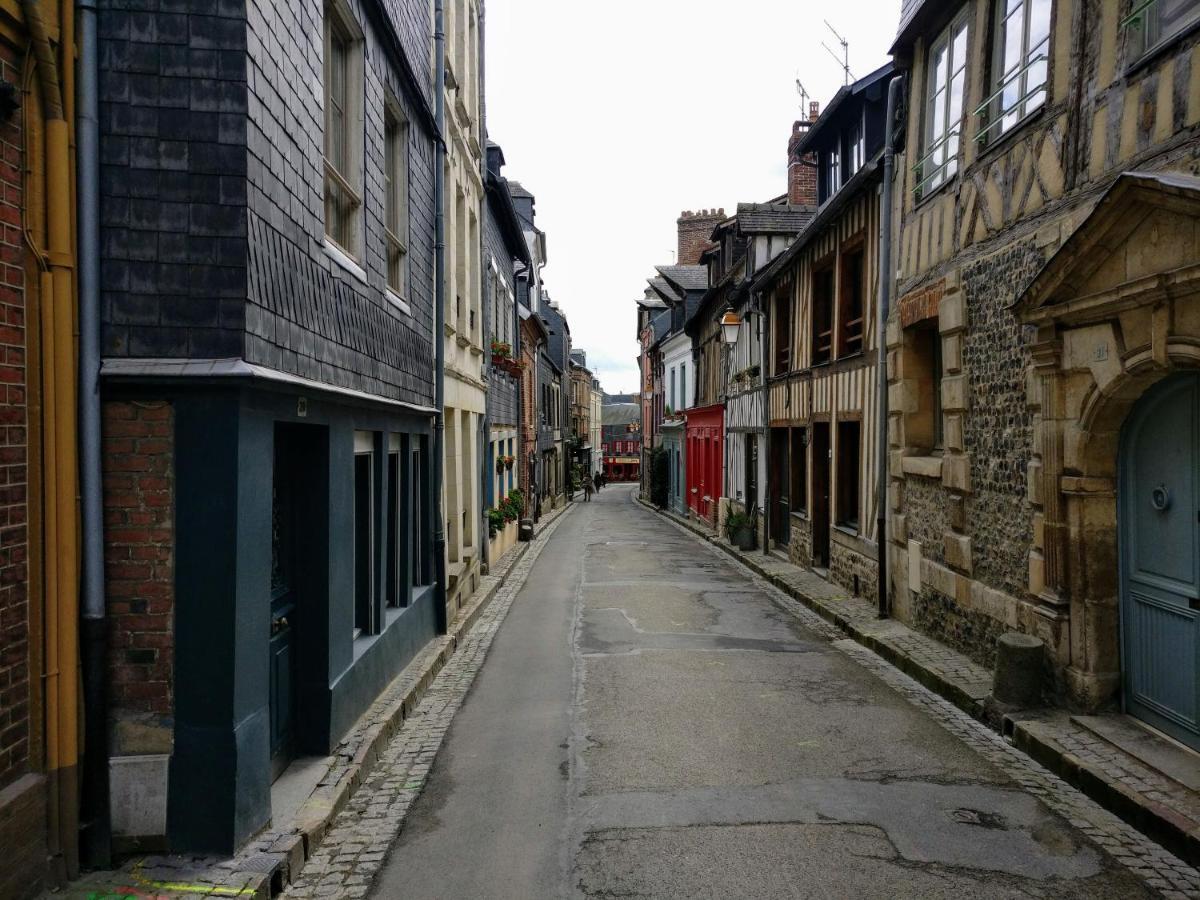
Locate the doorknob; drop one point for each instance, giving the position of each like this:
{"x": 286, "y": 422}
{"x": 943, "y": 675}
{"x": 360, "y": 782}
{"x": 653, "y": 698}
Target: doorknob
{"x": 1160, "y": 498}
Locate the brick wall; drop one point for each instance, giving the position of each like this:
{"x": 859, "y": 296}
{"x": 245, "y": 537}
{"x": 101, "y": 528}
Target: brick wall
{"x": 15, "y": 708}
{"x": 139, "y": 562}
{"x": 802, "y": 171}
{"x": 694, "y": 232}
{"x": 22, "y": 791}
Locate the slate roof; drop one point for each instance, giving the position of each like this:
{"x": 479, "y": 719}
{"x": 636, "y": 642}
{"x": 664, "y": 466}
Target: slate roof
{"x": 830, "y": 112}
{"x": 620, "y": 413}
{"x": 687, "y": 278}
{"x": 661, "y": 325}
{"x": 517, "y": 189}
{"x": 773, "y": 218}
{"x": 665, "y": 289}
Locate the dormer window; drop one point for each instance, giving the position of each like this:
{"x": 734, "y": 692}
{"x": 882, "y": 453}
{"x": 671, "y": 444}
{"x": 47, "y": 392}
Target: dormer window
{"x": 833, "y": 164}
{"x": 856, "y": 149}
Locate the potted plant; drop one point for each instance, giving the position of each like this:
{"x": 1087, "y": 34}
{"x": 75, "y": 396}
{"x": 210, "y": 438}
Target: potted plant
{"x": 499, "y": 464}
{"x": 508, "y": 462}
{"x": 739, "y": 528}
{"x": 495, "y": 521}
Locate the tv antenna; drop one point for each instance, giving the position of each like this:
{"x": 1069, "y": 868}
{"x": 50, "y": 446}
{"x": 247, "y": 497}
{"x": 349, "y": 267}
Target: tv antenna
{"x": 844, "y": 62}
{"x": 803, "y": 96}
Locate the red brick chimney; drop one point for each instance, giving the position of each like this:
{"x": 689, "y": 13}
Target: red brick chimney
{"x": 802, "y": 173}
{"x": 695, "y": 230}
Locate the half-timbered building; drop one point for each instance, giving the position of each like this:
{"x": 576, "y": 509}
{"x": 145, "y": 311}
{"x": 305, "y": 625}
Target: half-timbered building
{"x": 819, "y": 296}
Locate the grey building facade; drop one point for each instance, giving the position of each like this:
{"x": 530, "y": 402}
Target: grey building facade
{"x": 267, "y": 239}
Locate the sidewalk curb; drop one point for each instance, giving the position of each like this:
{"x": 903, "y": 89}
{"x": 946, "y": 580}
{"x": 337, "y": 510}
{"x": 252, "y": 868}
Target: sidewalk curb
{"x": 1175, "y": 832}
{"x": 274, "y": 859}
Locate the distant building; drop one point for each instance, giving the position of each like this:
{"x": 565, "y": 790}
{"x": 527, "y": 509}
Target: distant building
{"x": 621, "y": 441}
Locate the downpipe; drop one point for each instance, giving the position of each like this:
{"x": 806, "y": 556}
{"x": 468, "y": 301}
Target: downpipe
{"x": 96, "y": 830}
{"x": 883, "y": 308}
{"x": 439, "y": 316}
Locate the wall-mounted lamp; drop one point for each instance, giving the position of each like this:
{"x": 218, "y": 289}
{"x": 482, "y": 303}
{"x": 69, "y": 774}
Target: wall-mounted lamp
{"x": 731, "y": 324}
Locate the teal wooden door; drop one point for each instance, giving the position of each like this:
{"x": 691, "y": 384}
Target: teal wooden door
{"x": 1159, "y": 499}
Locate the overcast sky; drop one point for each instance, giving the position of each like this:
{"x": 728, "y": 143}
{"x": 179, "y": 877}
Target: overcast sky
{"x": 619, "y": 115}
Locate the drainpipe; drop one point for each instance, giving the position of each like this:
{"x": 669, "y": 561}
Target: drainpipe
{"x": 439, "y": 316}
{"x": 766, "y": 431}
{"x": 883, "y": 308}
{"x": 96, "y": 832}
{"x": 60, "y": 471}
{"x": 485, "y": 424}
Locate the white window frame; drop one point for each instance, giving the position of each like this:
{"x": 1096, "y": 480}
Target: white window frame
{"x": 339, "y": 19}
{"x": 943, "y": 144}
{"x": 396, "y": 205}
{"x": 1020, "y": 84}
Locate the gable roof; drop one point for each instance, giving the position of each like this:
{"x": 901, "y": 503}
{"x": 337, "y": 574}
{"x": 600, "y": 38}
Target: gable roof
{"x": 831, "y": 112}
{"x": 620, "y": 413}
{"x": 685, "y": 278}
{"x": 665, "y": 289}
{"x": 773, "y": 218}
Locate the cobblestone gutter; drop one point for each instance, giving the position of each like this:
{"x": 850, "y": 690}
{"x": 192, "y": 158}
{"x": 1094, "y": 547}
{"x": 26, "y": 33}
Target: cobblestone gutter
{"x": 1155, "y": 804}
{"x": 278, "y": 857}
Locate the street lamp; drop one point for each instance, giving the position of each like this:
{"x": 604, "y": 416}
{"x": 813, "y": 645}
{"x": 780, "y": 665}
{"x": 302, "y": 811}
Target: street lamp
{"x": 731, "y": 324}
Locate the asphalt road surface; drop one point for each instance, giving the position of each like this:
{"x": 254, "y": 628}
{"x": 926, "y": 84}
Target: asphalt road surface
{"x": 649, "y": 724}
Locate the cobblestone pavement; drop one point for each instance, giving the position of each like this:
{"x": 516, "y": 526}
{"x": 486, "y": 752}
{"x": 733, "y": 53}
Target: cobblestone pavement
{"x": 356, "y": 845}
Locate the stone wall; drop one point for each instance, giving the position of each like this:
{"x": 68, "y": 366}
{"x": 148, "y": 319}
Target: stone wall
{"x": 997, "y": 429}
{"x": 139, "y": 566}
{"x": 800, "y": 543}
{"x": 846, "y": 565}
{"x": 924, "y": 503}
{"x": 968, "y": 631}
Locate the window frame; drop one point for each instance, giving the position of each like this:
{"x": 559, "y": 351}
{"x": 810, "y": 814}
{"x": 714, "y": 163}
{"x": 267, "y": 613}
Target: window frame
{"x": 365, "y": 612}
{"x": 397, "y": 205}
{"x": 946, "y": 170}
{"x": 855, "y": 247}
{"x": 1135, "y": 21}
{"x": 1001, "y": 121}
{"x": 824, "y": 268}
{"x": 339, "y": 22}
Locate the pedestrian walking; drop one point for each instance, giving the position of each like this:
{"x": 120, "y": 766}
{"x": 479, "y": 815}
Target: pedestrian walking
{"x": 596, "y": 480}
{"x": 587, "y": 490}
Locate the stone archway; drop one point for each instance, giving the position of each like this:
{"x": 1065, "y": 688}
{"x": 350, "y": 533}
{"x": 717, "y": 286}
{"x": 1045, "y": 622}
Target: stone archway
{"x": 1116, "y": 310}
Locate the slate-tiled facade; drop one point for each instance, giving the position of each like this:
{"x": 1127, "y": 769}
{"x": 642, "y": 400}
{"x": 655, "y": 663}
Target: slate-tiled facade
{"x": 214, "y": 248}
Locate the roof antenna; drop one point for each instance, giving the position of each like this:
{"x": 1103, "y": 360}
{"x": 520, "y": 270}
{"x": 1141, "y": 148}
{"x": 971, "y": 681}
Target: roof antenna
{"x": 844, "y": 62}
{"x": 803, "y": 94}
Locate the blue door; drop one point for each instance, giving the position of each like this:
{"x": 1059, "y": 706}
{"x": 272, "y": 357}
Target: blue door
{"x": 1159, "y": 500}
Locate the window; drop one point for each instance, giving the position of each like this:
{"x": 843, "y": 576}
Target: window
{"x": 946, "y": 84}
{"x": 395, "y": 202}
{"x": 418, "y": 484}
{"x": 850, "y": 304}
{"x": 683, "y": 395}
{"x": 822, "y": 315}
{"x": 400, "y": 526}
{"x": 1020, "y": 64}
{"x": 922, "y": 367}
{"x": 783, "y": 332}
{"x": 364, "y": 540}
{"x": 798, "y": 480}
{"x": 751, "y": 470}
{"x": 856, "y": 149}
{"x": 833, "y": 171}
{"x": 847, "y": 474}
{"x": 672, "y": 402}
{"x": 1156, "y": 22}
{"x": 343, "y": 89}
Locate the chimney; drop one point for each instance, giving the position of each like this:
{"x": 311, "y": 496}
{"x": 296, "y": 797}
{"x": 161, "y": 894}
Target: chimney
{"x": 695, "y": 229}
{"x": 802, "y": 173}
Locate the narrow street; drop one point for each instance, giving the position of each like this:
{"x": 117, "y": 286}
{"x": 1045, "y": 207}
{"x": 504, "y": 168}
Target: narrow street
{"x": 649, "y": 723}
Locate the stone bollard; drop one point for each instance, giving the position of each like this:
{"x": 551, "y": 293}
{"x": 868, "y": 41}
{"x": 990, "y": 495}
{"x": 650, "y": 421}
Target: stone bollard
{"x": 1017, "y": 681}
{"x": 525, "y": 530}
